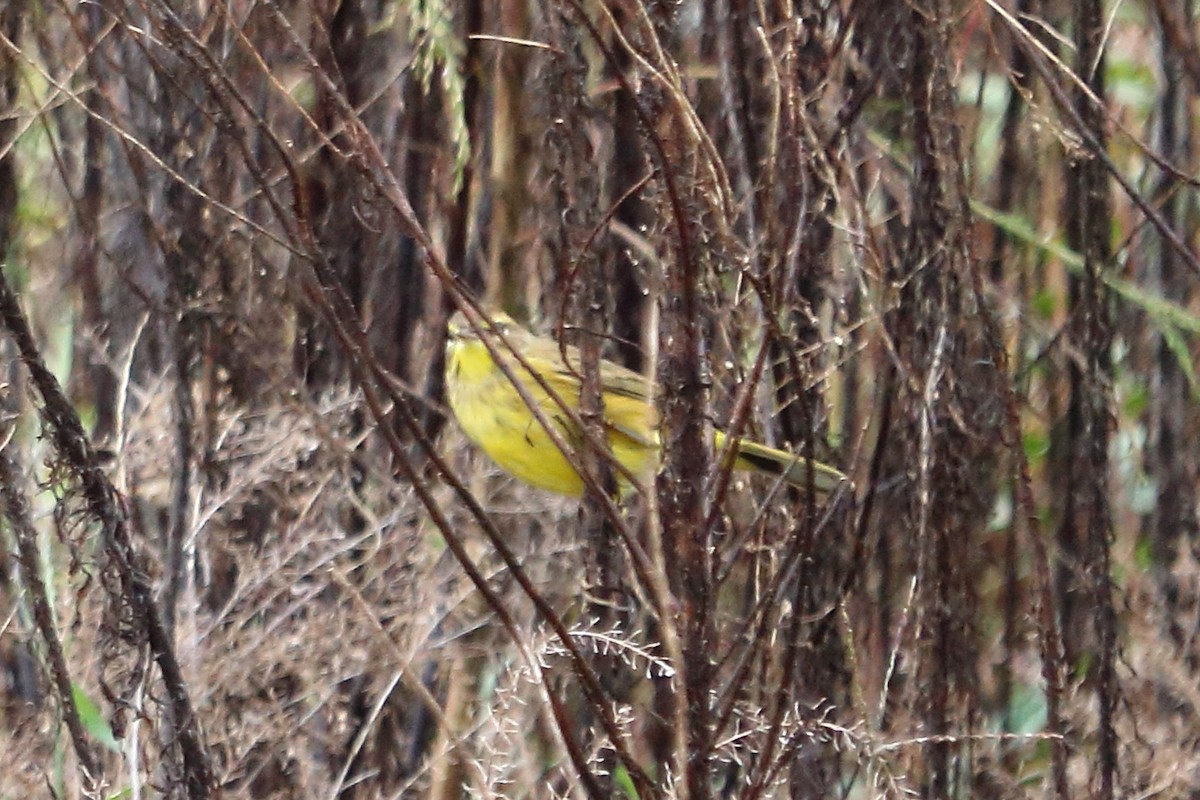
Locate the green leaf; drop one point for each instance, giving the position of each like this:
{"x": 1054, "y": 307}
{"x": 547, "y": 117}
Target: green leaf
{"x": 1137, "y": 398}
{"x": 1143, "y": 553}
{"x": 623, "y": 782}
{"x": 1083, "y": 667}
{"x": 1036, "y": 445}
{"x": 93, "y": 721}
{"x": 1169, "y": 317}
{"x": 1044, "y": 304}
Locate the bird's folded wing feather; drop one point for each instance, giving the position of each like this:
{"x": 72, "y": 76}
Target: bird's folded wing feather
{"x": 628, "y": 401}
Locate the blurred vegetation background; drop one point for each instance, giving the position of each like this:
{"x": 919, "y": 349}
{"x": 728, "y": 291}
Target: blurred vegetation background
{"x": 949, "y": 247}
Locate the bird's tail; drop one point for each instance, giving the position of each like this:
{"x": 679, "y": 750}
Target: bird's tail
{"x": 755, "y": 457}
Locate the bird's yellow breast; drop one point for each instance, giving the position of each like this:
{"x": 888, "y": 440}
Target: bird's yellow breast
{"x": 494, "y": 416}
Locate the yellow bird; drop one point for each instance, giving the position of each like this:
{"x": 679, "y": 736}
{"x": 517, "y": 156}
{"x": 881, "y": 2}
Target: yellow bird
{"x": 495, "y": 417}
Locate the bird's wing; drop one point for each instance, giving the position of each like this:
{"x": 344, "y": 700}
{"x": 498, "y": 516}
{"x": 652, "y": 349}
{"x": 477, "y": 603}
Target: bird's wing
{"x": 633, "y": 417}
{"x": 628, "y": 397}
{"x": 628, "y": 404}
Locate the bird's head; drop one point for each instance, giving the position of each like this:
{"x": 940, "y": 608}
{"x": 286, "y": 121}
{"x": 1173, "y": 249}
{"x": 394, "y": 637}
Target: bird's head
{"x": 459, "y": 329}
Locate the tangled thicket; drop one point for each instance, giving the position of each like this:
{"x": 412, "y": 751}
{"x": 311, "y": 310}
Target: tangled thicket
{"x": 949, "y": 248}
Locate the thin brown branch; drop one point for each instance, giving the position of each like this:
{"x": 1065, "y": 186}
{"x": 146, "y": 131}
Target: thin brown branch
{"x": 16, "y": 511}
{"x": 76, "y": 450}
